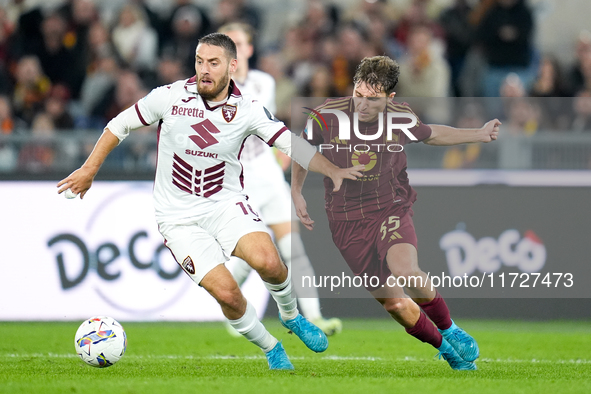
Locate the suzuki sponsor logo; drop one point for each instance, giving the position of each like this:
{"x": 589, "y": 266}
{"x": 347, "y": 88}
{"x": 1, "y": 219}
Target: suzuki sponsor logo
{"x": 465, "y": 254}
{"x": 199, "y": 153}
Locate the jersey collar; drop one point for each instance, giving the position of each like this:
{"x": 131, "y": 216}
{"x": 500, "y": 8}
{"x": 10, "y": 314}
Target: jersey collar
{"x": 234, "y": 93}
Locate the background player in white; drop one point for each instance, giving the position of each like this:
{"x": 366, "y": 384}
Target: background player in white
{"x": 265, "y": 185}
{"x": 201, "y": 210}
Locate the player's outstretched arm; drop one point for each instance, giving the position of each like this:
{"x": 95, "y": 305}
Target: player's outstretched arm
{"x": 321, "y": 164}
{"x": 446, "y": 135}
{"x": 81, "y": 180}
{"x": 298, "y": 177}
{"x": 306, "y": 155}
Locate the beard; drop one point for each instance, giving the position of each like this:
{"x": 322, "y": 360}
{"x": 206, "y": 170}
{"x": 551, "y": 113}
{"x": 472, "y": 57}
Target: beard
{"x": 216, "y": 88}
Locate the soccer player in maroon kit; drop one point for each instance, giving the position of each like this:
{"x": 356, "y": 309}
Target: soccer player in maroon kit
{"x": 371, "y": 218}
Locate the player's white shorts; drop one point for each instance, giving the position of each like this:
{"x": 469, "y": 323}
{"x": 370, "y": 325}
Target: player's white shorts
{"x": 202, "y": 245}
{"x": 268, "y": 191}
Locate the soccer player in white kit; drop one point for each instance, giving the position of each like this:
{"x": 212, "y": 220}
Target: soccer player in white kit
{"x": 200, "y": 207}
{"x": 265, "y": 185}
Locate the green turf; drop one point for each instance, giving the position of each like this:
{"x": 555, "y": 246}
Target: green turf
{"x": 367, "y": 357}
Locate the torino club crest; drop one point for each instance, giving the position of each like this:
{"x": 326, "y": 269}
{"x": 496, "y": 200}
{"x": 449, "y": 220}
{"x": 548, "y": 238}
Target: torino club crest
{"x": 229, "y": 112}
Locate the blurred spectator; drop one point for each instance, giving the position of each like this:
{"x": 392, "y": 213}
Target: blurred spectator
{"x": 8, "y": 125}
{"x": 285, "y": 89}
{"x": 99, "y": 47}
{"x": 57, "y": 61}
{"x": 423, "y": 72}
{"x": 8, "y": 122}
{"x": 6, "y": 31}
{"x": 380, "y": 41}
{"x": 470, "y": 82}
{"x": 125, "y": 92}
{"x": 320, "y": 20}
{"x": 352, "y": 49}
{"x": 471, "y": 115}
{"x": 135, "y": 41}
{"x": 585, "y": 72}
{"x": 320, "y": 84}
{"x": 582, "y": 112}
{"x": 326, "y": 50}
{"x": 128, "y": 90}
{"x": 524, "y": 117}
{"x": 38, "y": 154}
{"x": 164, "y": 24}
{"x": 459, "y": 35}
{"x": 416, "y": 14}
{"x": 28, "y": 29}
{"x": 97, "y": 90}
{"x": 231, "y": 11}
{"x": 551, "y": 89}
{"x": 363, "y": 11}
{"x": 549, "y": 81}
{"x": 31, "y": 89}
{"x": 577, "y": 79}
{"x": 237, "y": 11}
{"x": 505, "y": 35}
{"x": 512, "y": 86}
{"x": 169, "y": 70}
{"x": 79, "y": 15}
{"x": 56, "y": 106}
{"x": 188, "y": 24}
{"x": 297, "y": 52}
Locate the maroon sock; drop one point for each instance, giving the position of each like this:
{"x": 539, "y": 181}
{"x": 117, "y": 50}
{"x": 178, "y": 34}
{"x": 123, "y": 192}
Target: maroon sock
{"x": 425, "y": 331}
{"x": 438, "y": 312}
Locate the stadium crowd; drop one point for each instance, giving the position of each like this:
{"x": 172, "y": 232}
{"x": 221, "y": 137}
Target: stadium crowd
{"x": 70, "y": 68}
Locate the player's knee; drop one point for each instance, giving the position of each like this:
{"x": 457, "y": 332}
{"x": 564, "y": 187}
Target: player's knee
{"x": 229, "y": 298}
{"x": 269, "y": 265}
{"x": 394, "y": 306}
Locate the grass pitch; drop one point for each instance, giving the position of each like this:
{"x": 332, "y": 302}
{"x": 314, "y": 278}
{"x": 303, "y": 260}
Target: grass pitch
{"x": 367, "y": 357}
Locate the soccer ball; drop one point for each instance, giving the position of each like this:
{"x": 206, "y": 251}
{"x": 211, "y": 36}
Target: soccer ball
{"x": 100, "y": 341}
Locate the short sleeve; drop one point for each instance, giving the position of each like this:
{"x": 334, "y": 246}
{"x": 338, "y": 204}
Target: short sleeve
{"x": 152, "y": 107}
{"x": 264, "y": 124}
{"x": 143, "y": 113}
{"x": 420, "y": 131}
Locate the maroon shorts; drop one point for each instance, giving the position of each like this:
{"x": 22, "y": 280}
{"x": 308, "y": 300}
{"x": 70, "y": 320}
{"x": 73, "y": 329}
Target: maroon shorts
{"x": 364, "y": 243}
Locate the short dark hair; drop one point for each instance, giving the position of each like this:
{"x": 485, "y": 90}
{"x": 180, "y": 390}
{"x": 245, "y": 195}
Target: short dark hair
{"x": 379, "y": 72}
{"x": 220, "y": 40}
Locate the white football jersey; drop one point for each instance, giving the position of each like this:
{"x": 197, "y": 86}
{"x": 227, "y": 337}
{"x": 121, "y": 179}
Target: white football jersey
{"x": 199, "y": 146}
{"x": 261, "y": 86}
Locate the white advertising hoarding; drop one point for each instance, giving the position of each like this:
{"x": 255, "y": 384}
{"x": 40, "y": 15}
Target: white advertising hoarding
{"x": 71, "y": 259}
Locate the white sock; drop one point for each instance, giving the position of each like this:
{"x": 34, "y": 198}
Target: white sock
{"x": 292, "y": 250}
{"x": 252, "y": 329}
{"x": 240, "y": 270}
{"x": 286, "y": 302}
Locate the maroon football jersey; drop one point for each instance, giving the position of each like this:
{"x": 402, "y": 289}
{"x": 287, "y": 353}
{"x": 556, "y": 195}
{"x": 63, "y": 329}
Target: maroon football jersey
{"x": 385, "y": 181}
